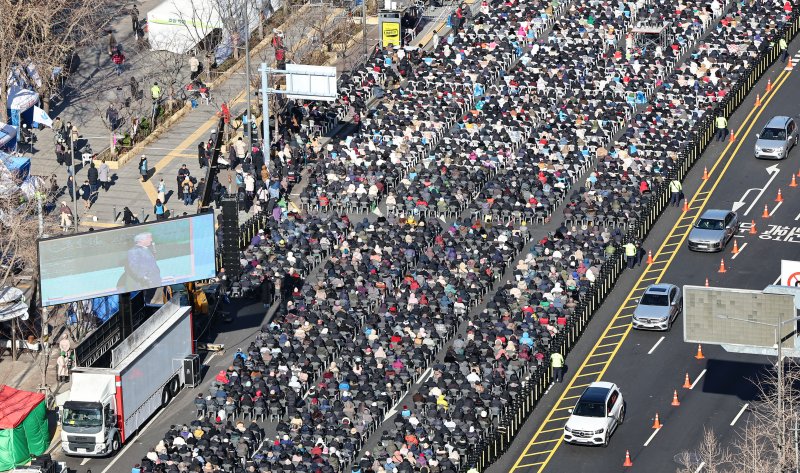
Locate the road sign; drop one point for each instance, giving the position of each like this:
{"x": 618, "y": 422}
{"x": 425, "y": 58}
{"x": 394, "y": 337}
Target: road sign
{"x": 310, "y": 82}
{"x": 790, "y": 273}
{"x": 737, "y": 317}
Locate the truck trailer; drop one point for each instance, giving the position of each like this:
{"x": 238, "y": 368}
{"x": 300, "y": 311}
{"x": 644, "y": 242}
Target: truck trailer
{"x": 106, "y": 406}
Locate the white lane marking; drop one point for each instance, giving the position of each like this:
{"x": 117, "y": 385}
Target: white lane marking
{"x": 697, "y": 380}
{"x": 797, "y": 218}
{"x": 773, "y": 171}
{"x": 85, "y": 461}
{"x": 741, "y": 248}
{"x": 700, "y": 467}
{"x": 775, "y": 208}
{"x": 121, "y": 453}
{"x": 655, "y": 346}
{"x": 210, "y": 357}
{"x": 740, "y": 413}
{"x": 777, "y": 281}
{"x": 651, "y": 436}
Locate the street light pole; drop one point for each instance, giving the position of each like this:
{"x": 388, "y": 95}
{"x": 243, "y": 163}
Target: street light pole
{"x": 249, "y": 127}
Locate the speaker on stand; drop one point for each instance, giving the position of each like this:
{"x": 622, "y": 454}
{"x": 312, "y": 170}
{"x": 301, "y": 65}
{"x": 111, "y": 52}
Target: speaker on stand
{"x": 230, "y": 237}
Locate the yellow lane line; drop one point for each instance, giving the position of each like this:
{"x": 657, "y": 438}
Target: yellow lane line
{"x": 782, "y": 77}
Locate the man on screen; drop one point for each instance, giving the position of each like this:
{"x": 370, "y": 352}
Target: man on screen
{"x": 141, "y": 268}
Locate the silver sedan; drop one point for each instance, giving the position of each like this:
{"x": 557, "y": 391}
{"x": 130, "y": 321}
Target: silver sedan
{"x": 658, "y": 307}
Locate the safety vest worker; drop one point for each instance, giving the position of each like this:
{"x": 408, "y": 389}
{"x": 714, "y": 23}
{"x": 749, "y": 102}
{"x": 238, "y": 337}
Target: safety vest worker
{"x": 630, "y": 254}
{"x": 557, "y": 362}
{"x": 722, "y": 127}
{"x": 155, "y": 91}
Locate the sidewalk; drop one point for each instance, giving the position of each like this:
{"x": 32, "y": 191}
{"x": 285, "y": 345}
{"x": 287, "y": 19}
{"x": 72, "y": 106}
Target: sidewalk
{"x": 178, "y": 145}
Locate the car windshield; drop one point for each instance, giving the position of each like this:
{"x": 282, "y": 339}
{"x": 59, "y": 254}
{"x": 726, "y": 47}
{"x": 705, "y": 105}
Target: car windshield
{"x": 710, "y": 224}
{"x": 82, "y": 417}
{"x": 773, "y": 134}
{"x": 590, "y": 409}
{"x": 654, "y": 299}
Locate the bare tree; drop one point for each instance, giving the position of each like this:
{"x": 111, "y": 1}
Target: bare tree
{"x": 40, "y": 38}
{"x": 710, "y": 454}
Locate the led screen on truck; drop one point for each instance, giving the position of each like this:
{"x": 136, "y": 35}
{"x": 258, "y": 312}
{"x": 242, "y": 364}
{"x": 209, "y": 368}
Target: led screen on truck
{"x": 126, "y": 259}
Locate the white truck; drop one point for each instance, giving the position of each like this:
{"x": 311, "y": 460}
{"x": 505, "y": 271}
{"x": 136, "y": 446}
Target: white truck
{"x": 107, "y": 405}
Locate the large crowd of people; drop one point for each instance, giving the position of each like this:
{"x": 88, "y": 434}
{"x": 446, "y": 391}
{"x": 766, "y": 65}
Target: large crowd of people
{"x": 466, "y": 146}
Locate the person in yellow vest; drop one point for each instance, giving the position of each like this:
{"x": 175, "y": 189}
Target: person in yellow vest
{"x": 630, "y": 254}
{"x": 722, "y": 127}
{"x": 557, "y": 363}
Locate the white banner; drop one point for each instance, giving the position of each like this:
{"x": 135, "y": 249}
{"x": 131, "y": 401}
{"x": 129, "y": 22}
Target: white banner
{"x": 790, "y": 273}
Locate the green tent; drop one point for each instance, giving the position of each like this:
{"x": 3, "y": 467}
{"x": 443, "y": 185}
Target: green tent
{"x": 23, "y": 427}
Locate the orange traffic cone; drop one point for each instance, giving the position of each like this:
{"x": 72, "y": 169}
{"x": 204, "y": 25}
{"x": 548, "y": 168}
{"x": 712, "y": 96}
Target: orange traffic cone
{"x": 628, "y": 461}
{"x": 735, "y": 250}
{"x": 699, "y": 354}
{"x": 675, "y": 401}
{"x": 685, "y": 205}
{"x": 705, "y": 173}
{"x": 766, "y": 212}
{"x": 769, "y": 85}
{"x": 722, "y": 266}
{"x": 798, "y": 173}
{"x": 650, "y": 257}
{"x": 780, "y": 197}
{"x": 758, "y": 100}
{"x": 753, "y": 230}
{"x": 789, "y": 64}
{"x": 794, "y": 182}
{"x": 733, "y": 136}
{"x": 656, "y": 423}
{"x": 706, "y": 282}
{"x": 686, "y": 383}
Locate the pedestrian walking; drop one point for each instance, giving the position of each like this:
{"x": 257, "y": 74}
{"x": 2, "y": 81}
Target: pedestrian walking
{"x": 160, "y": 210}
{"x": 784, "y": 49}
{"x": 127, "y": 217}
{"x": 93, "y": 176}
{"x": 86, "y": 194}
{"x": 135, "y": 26}
{"x": 201, "y": 155}
{"x": 557, "y": 363}
{"x": 71, "y": 188}
{"x": 722, "y": 127}
{"x": 188, "y": 190}
{"x": 162, "y": 191}
{"x": 104, "y": 175}
{"x": 119, "y": 60}
{"x": 675, "y": 192}
{"x": 143, "y": 171}
{"x": 66, "y": 216}
{"x": 62, "y": 364}
{"x": 155, "y": 92}
{"x": 630, "y": 254}
{"x": 199, "y": 190}
{"x": 194, "y": 67}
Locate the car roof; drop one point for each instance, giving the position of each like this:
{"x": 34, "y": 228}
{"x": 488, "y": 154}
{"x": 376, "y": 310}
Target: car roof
{"x": 597, "y": 392}
{"x": 659, "y": 288}
{"x": 777, "y": 122}
{"x": 715, "y": 214}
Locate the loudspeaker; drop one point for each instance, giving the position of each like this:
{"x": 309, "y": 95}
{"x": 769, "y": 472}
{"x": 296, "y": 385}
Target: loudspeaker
{"x": 191, "y": 371}
{"x": 230, "y": 237}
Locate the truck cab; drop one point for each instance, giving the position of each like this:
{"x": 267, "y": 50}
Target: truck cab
{"x": 89, "y": 426}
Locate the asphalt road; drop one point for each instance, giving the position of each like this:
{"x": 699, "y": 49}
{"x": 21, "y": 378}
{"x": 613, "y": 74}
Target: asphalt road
{"x": 238, "y": 333}
{"x": 649, "y": 369}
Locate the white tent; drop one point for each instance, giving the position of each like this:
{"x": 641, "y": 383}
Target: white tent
{"x": 179, "y": 25}
{"x": 21, "y": 99}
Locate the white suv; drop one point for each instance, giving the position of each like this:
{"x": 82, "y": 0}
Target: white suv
{"x": 596, "y": 416}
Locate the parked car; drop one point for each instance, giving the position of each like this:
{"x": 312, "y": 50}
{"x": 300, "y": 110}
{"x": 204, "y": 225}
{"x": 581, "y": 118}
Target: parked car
{"x": 713, "y": 230}
{"x": 658, "y": 307}
{"x": 596, "y": 415}
{"x": 776, "y": 139}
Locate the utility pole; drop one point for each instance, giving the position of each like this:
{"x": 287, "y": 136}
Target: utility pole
{"x": 364, "y": 29}
{"x": 249, "y": 127}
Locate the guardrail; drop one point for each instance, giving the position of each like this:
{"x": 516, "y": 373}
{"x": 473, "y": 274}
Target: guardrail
{"x": 515, "y": 414}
